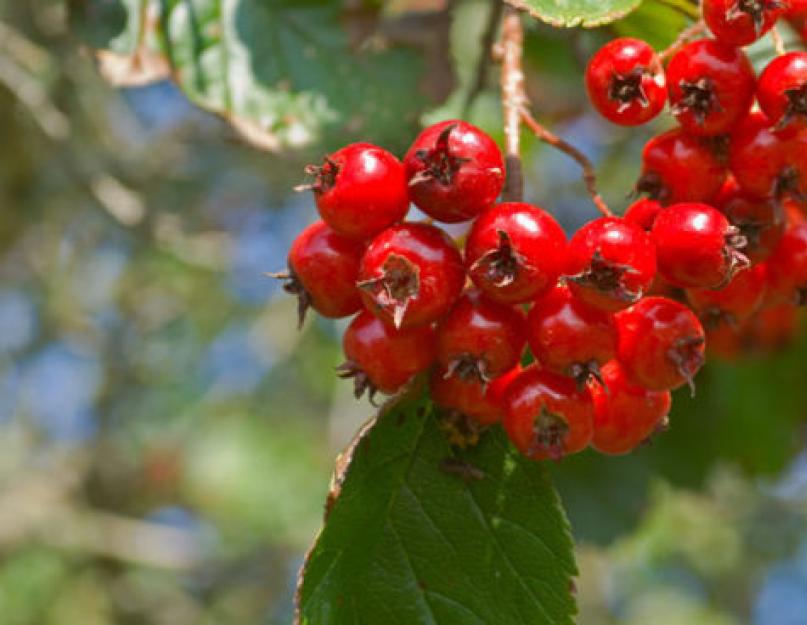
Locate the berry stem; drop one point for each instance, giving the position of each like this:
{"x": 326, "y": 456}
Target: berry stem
{"x": 514, "y": 98}
{"x": 778, "y": 42}
{"x": 589, "y": 175}
{"x": 684, "y": 37}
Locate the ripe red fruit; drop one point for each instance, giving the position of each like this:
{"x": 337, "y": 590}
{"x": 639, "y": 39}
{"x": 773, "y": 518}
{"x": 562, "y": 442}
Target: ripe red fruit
{"x": 677, "y": 167}
{"x": 569, "y": 337}
{"x": 643, "y": 213}
{"x": 455, "y": 171}
{"x": 741, "y": 22}
{"x": 323, "y": 268}
{"x": 661, "y": 343}
{"x": 782, "y": 90}
{"x": 411, "y": 274}
{"x": 612, "y": 262}
{"x": 381, "y": 358}
{"x": 696, "y": 246}
{"x": 625, "y": 82}
{"x": 711, "y": 87}
{"x": 480, "y": 339}
{"x": 547, "y": 415}
{"x": 515, "y": 252}
{"x": 760, "y": 223}
{"x": 484, "y": 403}
{"x": 625, "y": 415}
{"x": 735, "y": 302}
{"x": 360, "y": 190}
{"x": 774, "y": 327}
{"x": 787, "y": 268}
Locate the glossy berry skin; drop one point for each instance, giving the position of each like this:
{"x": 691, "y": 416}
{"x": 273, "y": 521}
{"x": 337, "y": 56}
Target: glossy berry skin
{"x": 480, "y": 339}
{"x": 760, "y": 223}
{"x": 625, "y": 82}
{"x": 661, "y": 343}
{"x": 612, "y": 262}
{"x": 360, "y": 190}
{"x": 381, "y": 358}
{"x": 735, "y": 302}
{"x": 625, "y": 415}
{"x": 547, "y": 416}
{"x": 787, "y": 268}
{"x": 484, "y": 403}
{"x": 515, "y": 252}
{"x": 411, "y": 274}
{"x": 782, "y": 91}
{"x": 741, "y": 22}
{"x": 677, "y": 167}
{"x": 643, "y": 213}
{"x": 711, "y": 87}
{"x": 323, "y": 268}
{"x": 455, "y": 171}
{"x": 696, "y": 246}
{"x": 569, "y": 337}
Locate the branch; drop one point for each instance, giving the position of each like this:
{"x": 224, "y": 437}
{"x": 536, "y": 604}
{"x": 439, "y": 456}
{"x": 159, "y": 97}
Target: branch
{"x": 778, "y": 42}
{"x": 514, "y": 99}
{"x": 683, "y": 38}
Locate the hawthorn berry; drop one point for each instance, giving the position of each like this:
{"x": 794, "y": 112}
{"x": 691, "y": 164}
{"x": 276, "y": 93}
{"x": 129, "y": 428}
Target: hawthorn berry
{"x": 322, "y": 273}
{"x": 455, "y": 171}
{"x": 677, "y": 167}
{"x": 782, "y": 90}
{"x": 760, "y": 222}
{"x": 741, "y": 22}
{"x": 625, "y": 82}
{"x": 711, "y": 87}
{"x": 546, "y": 415}
{"x": 411, "y": 274}
{"x": 484, "y": 403}
{"x": 515, "y": 252}
{"x": 787, "y": 268}
{"x": 773, "y": 328}
{"x": 643, "y": 213}
{"x": 569, "y": 337}
{"x": 381, "y": 358}
{"x": 625, "y": 414}
{"x": 360, "y": 190}
{"x": 661, "y": 343}
{"x": 612, "y": 262}
{"x": 696, "y": 246}
{"x": 480, "y": 339}
{"x": 733, "y": 303}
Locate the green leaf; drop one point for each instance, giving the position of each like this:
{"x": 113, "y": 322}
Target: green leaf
{"x": 408, "y": 543}
{"x": 656, "y": 22}
{"x": 569, "y": 13}
{"x": 113, "y": 25}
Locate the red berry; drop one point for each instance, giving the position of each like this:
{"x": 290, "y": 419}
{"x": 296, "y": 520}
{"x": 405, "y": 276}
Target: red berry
{"x": 735, "y": 302}
{"x": 360, "y": 190}
{"x": 661, "y": 343}
{"x": 547, "y": 415}
{"x": 484, "y": 403}
{"x": 515, "y": 252}
{"x": 625, "y": 415}
{"x": 625, "y": 82}
{"x": 455, "y": 171}
{"x": 677, "y": 167}
{"x": 696, "y": 246}
{"x": 323, "y": 268}
{"x": 643, "y": 213}
{"x": 411, "y": 274}
{"x": 760, "y": 223}
{"x": 480, "y": 339}
{"x": 774, "y": 327}
{"x": 782, "y": 90}
{"x": 381, "y": 358}
{"x": 787, "y": 267}
{"x": 569, "y": 337}
{"x": 711, "y": 87}
{"x": 612, "y": 262}
{"x": 741, "y": 22}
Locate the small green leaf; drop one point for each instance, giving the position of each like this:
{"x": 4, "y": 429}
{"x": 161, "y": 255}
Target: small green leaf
{"x": 569, "y": 13}
{"x": 407, "y": 543}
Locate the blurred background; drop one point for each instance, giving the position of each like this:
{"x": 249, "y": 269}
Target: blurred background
{"x": 167, "y": 436}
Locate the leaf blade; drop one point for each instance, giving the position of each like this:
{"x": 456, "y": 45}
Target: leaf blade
{"x": 586, "y": 13}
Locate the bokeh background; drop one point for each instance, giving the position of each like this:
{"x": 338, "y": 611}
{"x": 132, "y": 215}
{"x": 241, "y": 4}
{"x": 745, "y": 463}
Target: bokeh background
{"x": 167, "y": 435}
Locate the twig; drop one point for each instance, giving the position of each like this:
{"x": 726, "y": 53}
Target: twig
{"x": 514, "y": 99}
{"x": 589, "y": 176}
{"x": 481, "y": 76}
{"x": 684, "y": 37}
{"x": 778, "y": 42}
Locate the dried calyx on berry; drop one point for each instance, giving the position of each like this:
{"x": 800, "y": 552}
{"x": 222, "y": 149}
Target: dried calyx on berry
{"x": 293, "y": 286}
{"x": 439, "y": 163}
{"x": 549, "y": 430}
{"x": 501, "y": 266}
{"x": 362, "y": 383}
{"x": 393, "y": 290}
